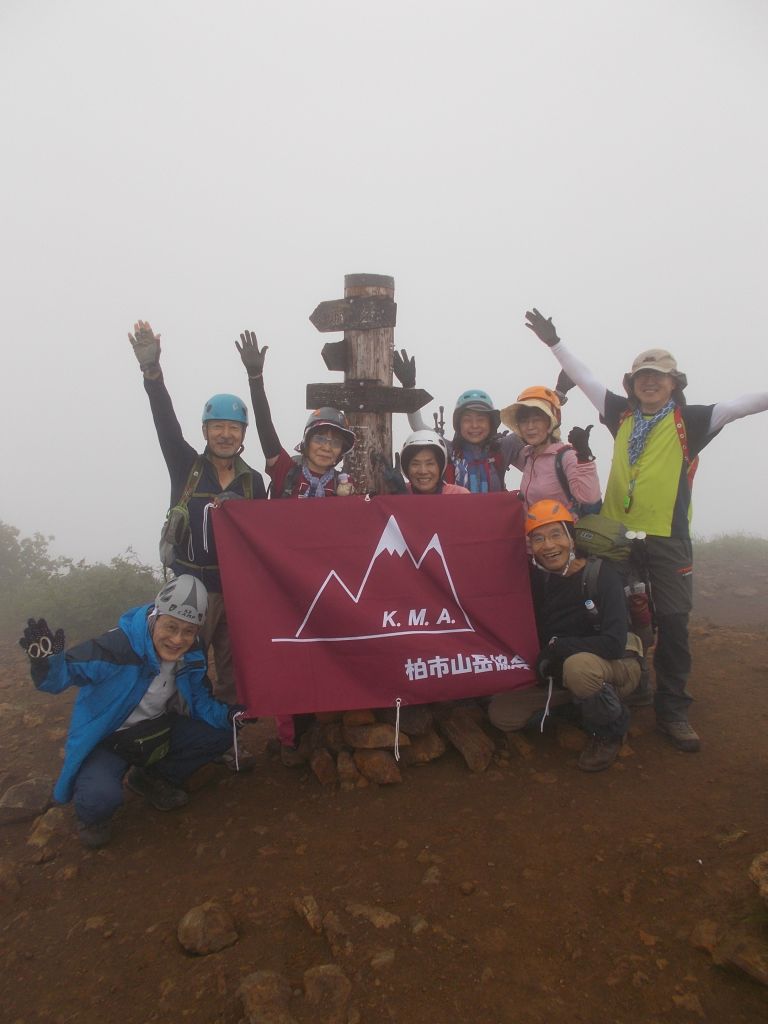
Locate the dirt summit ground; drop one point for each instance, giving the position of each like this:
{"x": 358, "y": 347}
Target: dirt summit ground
{"x": 530, "y": 893}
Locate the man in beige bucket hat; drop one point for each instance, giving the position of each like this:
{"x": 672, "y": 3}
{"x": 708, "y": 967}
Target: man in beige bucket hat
{"x": 658, "y": 437}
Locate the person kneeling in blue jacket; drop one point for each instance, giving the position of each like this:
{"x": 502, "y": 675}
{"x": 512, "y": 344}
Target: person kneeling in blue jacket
{"x": 144, "y": 707}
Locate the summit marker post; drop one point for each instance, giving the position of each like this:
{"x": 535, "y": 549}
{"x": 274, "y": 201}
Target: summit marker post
{"x": 367, "y": 315}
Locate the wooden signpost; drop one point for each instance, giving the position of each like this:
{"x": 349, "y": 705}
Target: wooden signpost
{"x": 367, "y": 316}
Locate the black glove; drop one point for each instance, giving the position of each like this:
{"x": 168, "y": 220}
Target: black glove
{"x": 404, "y": 368}
{"x": 39, "y": 642}
{"x": 235, "y": 714}
{"x": 393, "y": 475}
{"x": 219, "y": 499}
{"x": 579, "y": 438}
{"x": 548, "y": 665}
{"x": 542, "y": 327}
{"x": 250, "y": 353}
{"x": 563, "y": 386}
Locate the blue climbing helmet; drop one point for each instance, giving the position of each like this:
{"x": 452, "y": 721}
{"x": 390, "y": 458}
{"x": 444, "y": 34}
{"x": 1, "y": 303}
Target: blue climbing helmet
{"x": 475, "y": 400}
{"x": 226, "y": 407}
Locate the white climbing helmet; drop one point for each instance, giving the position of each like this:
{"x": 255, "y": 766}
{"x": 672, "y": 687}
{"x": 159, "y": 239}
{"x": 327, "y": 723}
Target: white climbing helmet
{"x": 183, "y": 598}
{"x": 424, "y": 439}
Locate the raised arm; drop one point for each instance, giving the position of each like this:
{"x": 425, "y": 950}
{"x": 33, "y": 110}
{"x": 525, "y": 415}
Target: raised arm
{"x": 404, "y": 368}
{"x": 581, "y": 375}
{"x": 176, "y": 451}
{"x": 253, "y": 360}
{"x": 736, "y": 409}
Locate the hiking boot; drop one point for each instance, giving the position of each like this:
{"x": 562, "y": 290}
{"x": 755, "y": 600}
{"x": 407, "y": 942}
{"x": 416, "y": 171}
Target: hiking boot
{"x": 245, "y": 762}
{"x": 680, "y": 735}
{"x": 93, "y": 837}
{"x": 161, "y": 794}
{"x": 599, "y": 753}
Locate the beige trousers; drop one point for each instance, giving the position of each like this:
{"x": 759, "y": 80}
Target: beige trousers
{"x": 583, "y": 675}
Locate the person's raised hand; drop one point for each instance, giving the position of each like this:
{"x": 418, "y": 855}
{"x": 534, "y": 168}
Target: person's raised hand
{"x": 38, "y": 640}
{"x": 563, "y": 386}
{"x": 542, "y": 327}
{"x": 146, "y": 346}
{"x": 250, "y": 353}
{"x": 404, "y": 368}
{"x": 579, "y": 438}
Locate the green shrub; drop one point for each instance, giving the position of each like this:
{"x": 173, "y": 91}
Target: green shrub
{"x": 84, "y": 599}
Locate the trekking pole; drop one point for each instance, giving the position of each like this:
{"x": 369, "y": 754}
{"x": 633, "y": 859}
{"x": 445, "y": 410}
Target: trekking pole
{"x": 440, "y": 422}
{"x": 641, "y": 603}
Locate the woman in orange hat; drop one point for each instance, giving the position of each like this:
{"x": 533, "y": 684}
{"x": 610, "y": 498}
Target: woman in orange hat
{"x": 552, "y": 469}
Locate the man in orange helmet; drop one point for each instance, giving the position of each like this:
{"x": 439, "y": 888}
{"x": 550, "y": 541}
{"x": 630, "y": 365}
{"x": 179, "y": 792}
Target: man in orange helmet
{"x": 587, "y": 656}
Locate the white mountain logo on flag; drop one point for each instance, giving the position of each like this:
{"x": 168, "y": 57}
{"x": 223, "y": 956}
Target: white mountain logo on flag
{"x": 398, "y": 596}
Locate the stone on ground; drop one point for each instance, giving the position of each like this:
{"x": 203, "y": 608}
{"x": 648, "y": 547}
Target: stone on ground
{"x": 25, "y": 800}
{"x": 423, "y": 749}
{"x": 372, "y": 737}
{"x": 266, "y": 996}
{"x": 328, "y": 988}
{"x": 377, "y": 766}
{"x": 206, "y": 929}
{"x": 474, "y": 745}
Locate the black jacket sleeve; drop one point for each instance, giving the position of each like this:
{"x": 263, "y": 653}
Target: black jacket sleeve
{"x": 178, "y": 453}
{"x": 270, "y": 443}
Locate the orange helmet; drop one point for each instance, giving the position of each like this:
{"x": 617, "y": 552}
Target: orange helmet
{"x": 542, "y": 513}
{"x": 536, "y": 397}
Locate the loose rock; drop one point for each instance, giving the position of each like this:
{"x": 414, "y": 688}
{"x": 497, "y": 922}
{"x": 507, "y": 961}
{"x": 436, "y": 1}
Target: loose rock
{"x": 206, "y": 929}
{"x": 431, "y": 876}
{"x": 423, "y": 749}
{"x": 378, "y": 916}
{"x": 570, "y": 738}
{"x": 328, "y": 988}
{"x": 474, "y": 745}
{"x": 377, "y": 766}
{"x": 384, "y": 958}
{"x": 25, "y": 800}
{"x": 337, "y": 935}
{"x": 266, "y": 996}
{"x": 347, "y": 771}
{"x": 324, "y": 767}
{"x": 373, "y": 737}
{"x": 745, "y": 953}
{"x": 52, "y": 823}
{"x": 359, "y": 717}
{"x": 416, "y": 720}
{"x": 307, "y": 907}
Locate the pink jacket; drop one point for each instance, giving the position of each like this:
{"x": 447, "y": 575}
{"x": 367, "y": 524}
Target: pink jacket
{"x": 540, "y": 477}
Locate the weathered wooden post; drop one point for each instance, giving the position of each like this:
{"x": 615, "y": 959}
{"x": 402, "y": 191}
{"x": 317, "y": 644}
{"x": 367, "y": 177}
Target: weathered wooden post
{"x": 367, "y": 315}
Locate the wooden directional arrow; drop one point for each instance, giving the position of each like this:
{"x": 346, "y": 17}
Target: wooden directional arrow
{"x": 336, "y": 354}
{"x": 366, "y": 396}
{"x": 364, "y": 313}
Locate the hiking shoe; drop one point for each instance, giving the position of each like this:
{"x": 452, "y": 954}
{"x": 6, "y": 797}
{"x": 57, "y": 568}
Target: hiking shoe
{"x": 680, "y": 735}
{"x": 93, "y": 837}
{"x": 161, "y": 794}
{"x": 246, "y": 761}
{"x": 599, "y": 753}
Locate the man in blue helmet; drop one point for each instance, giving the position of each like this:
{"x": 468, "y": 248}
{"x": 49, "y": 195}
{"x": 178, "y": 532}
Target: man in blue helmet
{"x": 204, "y": 481}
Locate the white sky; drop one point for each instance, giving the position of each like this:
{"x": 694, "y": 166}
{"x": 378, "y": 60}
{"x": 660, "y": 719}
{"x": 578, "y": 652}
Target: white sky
{"x": 212, "y": 167}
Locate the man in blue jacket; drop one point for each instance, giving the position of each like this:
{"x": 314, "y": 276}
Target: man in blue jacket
{"x": 144, "y": 706}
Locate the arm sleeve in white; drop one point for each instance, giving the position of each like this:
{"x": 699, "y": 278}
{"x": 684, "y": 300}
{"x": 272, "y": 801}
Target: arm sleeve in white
{"x": 736, "y": 409}
{"x": 581, "y": 375}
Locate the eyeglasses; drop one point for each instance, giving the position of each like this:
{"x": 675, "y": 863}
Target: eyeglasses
{"x": 326, "y": 441}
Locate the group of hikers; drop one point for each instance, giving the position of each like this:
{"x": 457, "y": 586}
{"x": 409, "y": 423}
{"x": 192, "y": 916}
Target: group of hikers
{"x": 147, "y": 713}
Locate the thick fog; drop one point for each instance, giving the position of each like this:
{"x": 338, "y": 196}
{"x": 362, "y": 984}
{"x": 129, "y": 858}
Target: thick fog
{"x": 215, "y": 167}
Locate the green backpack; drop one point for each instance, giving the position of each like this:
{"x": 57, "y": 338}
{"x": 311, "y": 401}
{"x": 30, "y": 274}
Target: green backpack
{"x": 602, "y": 537}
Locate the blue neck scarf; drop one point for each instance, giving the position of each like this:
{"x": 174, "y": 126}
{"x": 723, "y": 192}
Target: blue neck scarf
{"x": 316, "y": 483}
{"x": 641, "y": 428}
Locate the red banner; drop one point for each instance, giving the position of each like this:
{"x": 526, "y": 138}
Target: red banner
{"x": 354, "y": 602}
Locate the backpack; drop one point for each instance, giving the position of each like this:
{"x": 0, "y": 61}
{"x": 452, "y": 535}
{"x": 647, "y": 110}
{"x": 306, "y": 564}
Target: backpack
{"x": 175, "y": 532}
{"x": 579, "y": 508}
{"x": 599, "y": 536}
